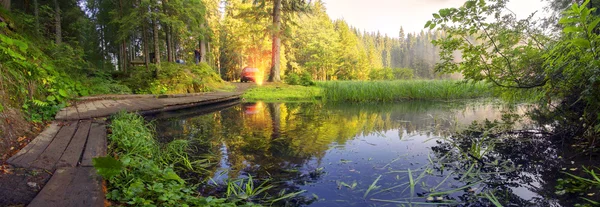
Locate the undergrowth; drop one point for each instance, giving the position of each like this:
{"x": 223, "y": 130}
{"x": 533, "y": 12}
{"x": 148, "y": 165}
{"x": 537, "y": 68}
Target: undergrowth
{"x": 143, "y": 173}
{"x": 175, "y": 78}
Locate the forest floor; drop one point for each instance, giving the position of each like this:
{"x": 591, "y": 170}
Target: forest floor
{"x": 18, "y": 186}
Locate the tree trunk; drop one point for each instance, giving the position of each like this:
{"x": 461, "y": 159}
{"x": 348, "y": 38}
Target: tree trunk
{"x": 5, "y": 4}
{"x": 57, "y": 21}
{"x": 156, "y": 42}
{"x": 276, "y": 54}
{"x": 203, "y": 45}
{"x": 146, "y": 50}
{"x": 36, "y": 14}
{"x": 167, "y": 32}
{"x": 203, "y": 50}
{"x": 123, "y": 52}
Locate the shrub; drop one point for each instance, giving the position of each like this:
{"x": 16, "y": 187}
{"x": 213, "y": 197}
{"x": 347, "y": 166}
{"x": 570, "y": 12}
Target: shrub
{"x": 174, "y": 78}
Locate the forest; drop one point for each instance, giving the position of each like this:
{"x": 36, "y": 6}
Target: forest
{"x": 54, "y": 51}
{"x": 230, "y": 35}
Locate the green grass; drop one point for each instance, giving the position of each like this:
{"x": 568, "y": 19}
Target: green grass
{"x": 392, "y": 91}
{"x": 387, "y": 91}
{"x": 282, "y": 92}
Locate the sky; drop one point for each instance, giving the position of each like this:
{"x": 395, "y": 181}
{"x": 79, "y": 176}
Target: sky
{"x": 387, "y": 16}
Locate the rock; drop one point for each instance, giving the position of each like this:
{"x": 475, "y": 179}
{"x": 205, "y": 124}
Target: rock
{"x": 32, "y": 184}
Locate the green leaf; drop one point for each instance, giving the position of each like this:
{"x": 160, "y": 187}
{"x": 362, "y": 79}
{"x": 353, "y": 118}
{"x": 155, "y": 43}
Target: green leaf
{"x": 22, "y": 45}
{"x": 107, "y": 167}
{"x": 593, "y": 25}
{"x": 432, "y": 26}
{"x": 50, "y": 98}
{"x": 435, "y": 15}
{"x": 170, "y": 175}
{"x": 572, "y": 29}
{"x": 427, "y": 24}
{"x": 566, "y": 20}
{"x": 63, "y": 93}
{"x": 580, "y": 42}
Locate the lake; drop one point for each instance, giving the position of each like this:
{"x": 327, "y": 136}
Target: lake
{"x": 368, "y": 155}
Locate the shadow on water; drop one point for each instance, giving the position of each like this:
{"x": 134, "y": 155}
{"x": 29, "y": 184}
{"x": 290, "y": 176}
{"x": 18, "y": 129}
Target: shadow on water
{"x": 362, "y": 155}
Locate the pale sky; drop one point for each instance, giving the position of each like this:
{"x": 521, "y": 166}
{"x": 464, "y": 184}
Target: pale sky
{"x": 387, "y": 16}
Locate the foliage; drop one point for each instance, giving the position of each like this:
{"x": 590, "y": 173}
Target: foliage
{"x": 141, "y": 175}
{"x": 586, "y": 186}
{"x": 283, "y": 92}
{"x": 390, "y": 91}
{"x": 175, "y": 78}
{"x": 515, "y": 54}
{"x": 30, "y": 78}
{"x": 104, "y": 85}
{"x": 304, "y": 79}
{"x": 314, "y": 43}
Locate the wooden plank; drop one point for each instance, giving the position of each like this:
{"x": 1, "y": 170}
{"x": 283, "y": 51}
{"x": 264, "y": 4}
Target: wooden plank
{"x": 96, "y": 144}
{"x": 91, "y": 109}
{"x": 48, "y": 159}
{"x": 54, "y": 192}
{"x": 109, "y": 108}
{"x": 98, "y": 104}
{"x": 90, "y": 106}
{"x": 71, "y": 156}
{"x": 61, "y": 114}
{"x": 144, "y": 104}
{"x": 33, "y": 150}
{"x": 71, "y": 113}
{"x": 85, "y": 189}
{"x": 83, "y": 111}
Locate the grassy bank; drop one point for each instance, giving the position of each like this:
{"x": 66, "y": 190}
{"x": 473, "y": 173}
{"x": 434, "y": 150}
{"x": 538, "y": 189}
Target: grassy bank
{"x": 273, "y": 92}
{"x": 390, "y": 91}
{"x": 143, "y": 175}
{"x": 371, "y": 91}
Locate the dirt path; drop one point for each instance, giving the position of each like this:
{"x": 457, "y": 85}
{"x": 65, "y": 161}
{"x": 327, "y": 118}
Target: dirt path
{"x": 242, "y": 87}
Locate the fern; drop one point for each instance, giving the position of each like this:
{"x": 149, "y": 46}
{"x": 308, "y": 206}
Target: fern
{"x": 39, "y": 103}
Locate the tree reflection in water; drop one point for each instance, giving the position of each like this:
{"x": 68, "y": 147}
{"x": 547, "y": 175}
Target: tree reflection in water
{"x": 319, "y": 148}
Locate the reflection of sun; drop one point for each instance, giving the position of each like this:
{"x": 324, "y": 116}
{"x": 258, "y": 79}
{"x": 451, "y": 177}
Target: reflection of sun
{"x": 260, "y": 105}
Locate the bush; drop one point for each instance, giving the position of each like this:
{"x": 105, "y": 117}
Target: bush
{"x": 304, "y": 79}
{"x": 292, "y": 79}
{"x": 174, "y": 78}
{"x": 105, "y": 85}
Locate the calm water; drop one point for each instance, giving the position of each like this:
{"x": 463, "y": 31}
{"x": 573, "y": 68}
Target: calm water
{"x": 336, "y": 153}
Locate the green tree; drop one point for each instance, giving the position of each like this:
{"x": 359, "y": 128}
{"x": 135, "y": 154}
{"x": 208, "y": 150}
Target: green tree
{"x": 515, "y": 54}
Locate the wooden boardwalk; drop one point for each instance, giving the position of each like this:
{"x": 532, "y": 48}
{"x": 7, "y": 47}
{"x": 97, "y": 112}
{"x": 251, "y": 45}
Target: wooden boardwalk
{"x": 69, "y": 144}
{"x": 144, "y": 105}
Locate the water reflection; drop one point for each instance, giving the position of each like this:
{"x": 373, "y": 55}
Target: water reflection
{"x": 338, "y": 152}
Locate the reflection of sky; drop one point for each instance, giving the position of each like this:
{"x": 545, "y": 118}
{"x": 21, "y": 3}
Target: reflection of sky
{"x": 364, "y": 159}
{"x": 366, "y": 156}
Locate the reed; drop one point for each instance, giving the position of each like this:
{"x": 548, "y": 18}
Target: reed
{"x": 392, "y": 91}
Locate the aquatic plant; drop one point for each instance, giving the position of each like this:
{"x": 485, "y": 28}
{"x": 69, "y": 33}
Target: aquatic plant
{"x": 392, "y": 91}
{"x": 141, "y": 175}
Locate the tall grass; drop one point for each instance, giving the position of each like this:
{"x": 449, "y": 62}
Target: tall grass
{"x": 390, "y": 91}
